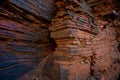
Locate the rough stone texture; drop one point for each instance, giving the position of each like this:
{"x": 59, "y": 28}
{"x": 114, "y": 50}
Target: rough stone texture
{"x": 86, "y": 32}
{"x": 86, "y": 49}
{"x": 103, "y": 7}
{"x": 106, "y": 55}
{"x": 24, "y": 41}
{"x": 41, "y": 8}
{"x": 73, "y": 28}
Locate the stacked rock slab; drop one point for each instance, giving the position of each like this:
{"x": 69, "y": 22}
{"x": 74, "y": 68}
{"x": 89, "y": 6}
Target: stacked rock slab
{"x": 72, "y": 28}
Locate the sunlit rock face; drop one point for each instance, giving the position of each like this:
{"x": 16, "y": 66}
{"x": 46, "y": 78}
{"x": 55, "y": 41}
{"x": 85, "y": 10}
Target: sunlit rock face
{"x": 59, "y": 40}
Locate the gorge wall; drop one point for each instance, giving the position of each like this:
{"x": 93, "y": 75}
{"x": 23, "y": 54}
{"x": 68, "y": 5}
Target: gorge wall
{"x": 24, "y": 37}
{"x": 87, "y": 48}
{"x": 59, "y": 40}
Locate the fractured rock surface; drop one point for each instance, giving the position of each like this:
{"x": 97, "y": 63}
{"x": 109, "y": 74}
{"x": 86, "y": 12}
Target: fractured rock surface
{"x": 59, "y": 40}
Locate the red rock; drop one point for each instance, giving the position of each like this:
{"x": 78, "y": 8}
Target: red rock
{"x": 75, "y": 40}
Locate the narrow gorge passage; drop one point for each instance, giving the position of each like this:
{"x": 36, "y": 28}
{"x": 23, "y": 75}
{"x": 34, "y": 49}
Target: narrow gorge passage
{"x": 59, "y": 40}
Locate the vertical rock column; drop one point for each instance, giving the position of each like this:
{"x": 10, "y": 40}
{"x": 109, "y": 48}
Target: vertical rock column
{"x": 72, "y": 28}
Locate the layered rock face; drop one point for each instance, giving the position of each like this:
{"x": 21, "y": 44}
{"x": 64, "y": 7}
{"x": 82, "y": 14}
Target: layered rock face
{"x": 24, "y": 37}
{"x": 59, "y": 40}
{"x": 86, "y": 49}
{"x": 72, "y": 28}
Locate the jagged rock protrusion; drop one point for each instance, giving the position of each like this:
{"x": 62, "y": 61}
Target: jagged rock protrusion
{"x": 72, "y": 28}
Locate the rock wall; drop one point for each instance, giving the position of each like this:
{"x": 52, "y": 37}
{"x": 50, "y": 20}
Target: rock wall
{"x": 106, "y": 56}
{"x": 86, "y": 49}
{"x": 41, "y": 8}
{"x": 88, "y": 44}
{"x": 24, "y": 39}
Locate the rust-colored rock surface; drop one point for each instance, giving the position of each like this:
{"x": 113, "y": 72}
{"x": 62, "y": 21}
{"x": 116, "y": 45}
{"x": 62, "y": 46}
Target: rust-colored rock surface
{"x": 59, "y": 40}
{"x": 87, "y": 48}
